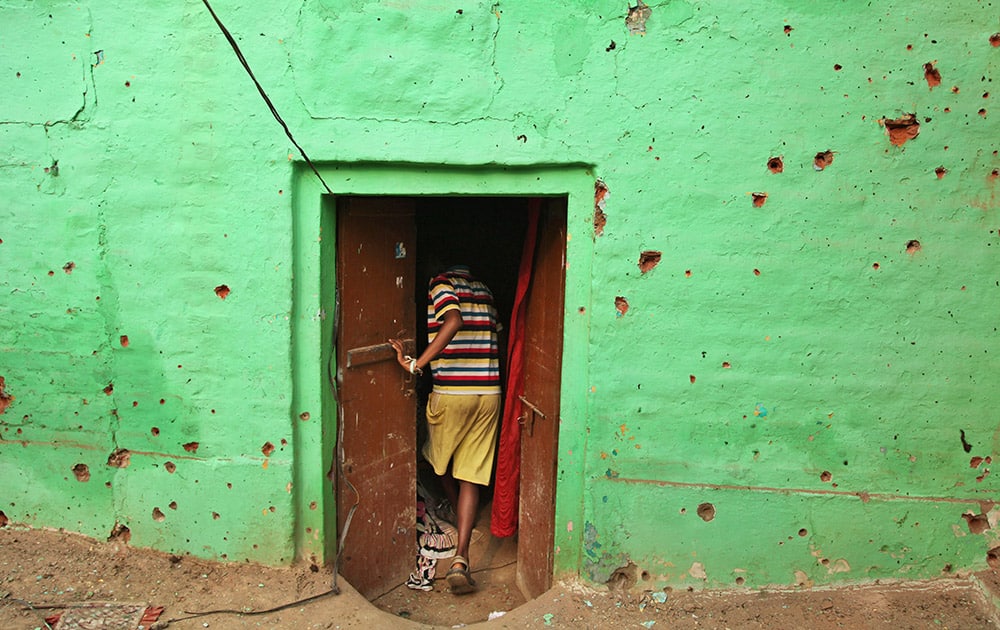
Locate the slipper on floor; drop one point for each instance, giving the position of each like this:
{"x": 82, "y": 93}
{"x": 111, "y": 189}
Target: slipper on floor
{"x": 459, "y": 578}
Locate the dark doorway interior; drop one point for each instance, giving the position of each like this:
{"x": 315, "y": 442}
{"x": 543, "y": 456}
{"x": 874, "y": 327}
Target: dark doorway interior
{"x": 485, "y": 233}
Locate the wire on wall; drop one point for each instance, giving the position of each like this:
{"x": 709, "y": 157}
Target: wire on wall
{"x": 274, "y": 112}
{"x": 263, "y": 94}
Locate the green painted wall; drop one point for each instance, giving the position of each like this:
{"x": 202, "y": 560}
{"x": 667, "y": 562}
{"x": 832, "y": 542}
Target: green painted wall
{"x": 798, "y": 364}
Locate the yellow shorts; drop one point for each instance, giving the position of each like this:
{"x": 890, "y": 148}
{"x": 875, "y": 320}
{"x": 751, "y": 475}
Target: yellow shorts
{"x": 462, "y": 430}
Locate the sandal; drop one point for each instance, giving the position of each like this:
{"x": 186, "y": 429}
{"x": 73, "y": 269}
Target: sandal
{"x": 459, "y": 578}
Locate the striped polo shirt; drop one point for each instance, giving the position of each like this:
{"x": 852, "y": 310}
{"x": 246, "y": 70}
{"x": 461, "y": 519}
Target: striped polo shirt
{"x": 470, "y": 363}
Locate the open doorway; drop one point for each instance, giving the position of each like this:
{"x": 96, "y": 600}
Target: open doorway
{"x": 388, "y": 247}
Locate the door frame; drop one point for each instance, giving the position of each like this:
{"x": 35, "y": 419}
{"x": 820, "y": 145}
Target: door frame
{"x": 313, "y": 404}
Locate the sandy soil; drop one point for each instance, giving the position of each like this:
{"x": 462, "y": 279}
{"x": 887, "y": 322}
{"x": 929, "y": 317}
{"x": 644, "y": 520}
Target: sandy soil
{"x": 42, "y": 569}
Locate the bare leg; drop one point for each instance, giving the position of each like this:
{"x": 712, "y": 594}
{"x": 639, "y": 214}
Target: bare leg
{"x": 450, "y": 487}
{"x": 465, "y": 511}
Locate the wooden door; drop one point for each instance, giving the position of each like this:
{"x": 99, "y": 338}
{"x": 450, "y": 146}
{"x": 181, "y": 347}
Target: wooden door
{"x": 540, "y": 402}
{"x": 375, "y": 276}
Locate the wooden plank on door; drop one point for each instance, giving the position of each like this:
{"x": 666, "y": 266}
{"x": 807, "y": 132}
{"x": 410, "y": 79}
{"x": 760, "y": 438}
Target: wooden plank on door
{"x": 376, "y": 239}
{"x": 542, "y": 378}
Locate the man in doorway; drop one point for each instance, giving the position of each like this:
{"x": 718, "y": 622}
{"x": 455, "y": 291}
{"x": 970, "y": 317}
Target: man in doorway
{"x": 464, "y": 407}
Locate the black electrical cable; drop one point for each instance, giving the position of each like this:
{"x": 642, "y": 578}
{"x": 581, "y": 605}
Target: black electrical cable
{"x": 439, "y": 579}
{"x": 274, "y": 112}
{"x": 263, "y": 94}
{"x": 28, "y": 606}
{"x": 253, "y": 613}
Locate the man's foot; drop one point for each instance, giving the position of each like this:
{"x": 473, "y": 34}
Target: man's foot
{"x": 459, "y": 578}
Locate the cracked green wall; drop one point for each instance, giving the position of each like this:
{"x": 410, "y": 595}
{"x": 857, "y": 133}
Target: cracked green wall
{"x": 769, "y": 346}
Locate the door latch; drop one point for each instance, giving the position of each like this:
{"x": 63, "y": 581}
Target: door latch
{"x": 527, "y": 418}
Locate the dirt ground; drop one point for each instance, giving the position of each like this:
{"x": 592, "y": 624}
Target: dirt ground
{"x": 42, "y": 570}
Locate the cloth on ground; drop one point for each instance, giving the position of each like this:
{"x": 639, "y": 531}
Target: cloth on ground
{"x": 436, "y": 539}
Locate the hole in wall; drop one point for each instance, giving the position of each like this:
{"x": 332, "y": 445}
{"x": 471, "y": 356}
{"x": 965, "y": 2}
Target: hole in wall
{"x": 992, "y": 557}
{"x": 621, "y": 305}
{"x": 636, "y": 18}
{"x": 623, "y": 578}
{"x": 932, "y": 75}
{"x": 776, "y": 164}
{"x": 759, "y": 198}
{"x": 965, "y": 443}
{"x": 649, "y": 259}
{"x": 600, "y": 198}
{"x": 913, "y": 246}
{"x": 706, "y": 511}
{"x": 978, "y": 523}
{"x": 121, "y": 533}
{"x": 822, "y": 160}
{"x": 158, "y": 515}
{"x": 902, "y": 129}
{"x": 5, "y": 398}
{"x": 81, "y": 472}
{"x": 120, "y": 458}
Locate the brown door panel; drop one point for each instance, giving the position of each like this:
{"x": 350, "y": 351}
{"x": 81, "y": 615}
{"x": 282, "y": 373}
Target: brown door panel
{"x": 542, "y": 376}
{"x": 375, "y": 275}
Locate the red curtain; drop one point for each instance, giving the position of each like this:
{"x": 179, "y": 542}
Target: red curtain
{"x": 506, "y": 491}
